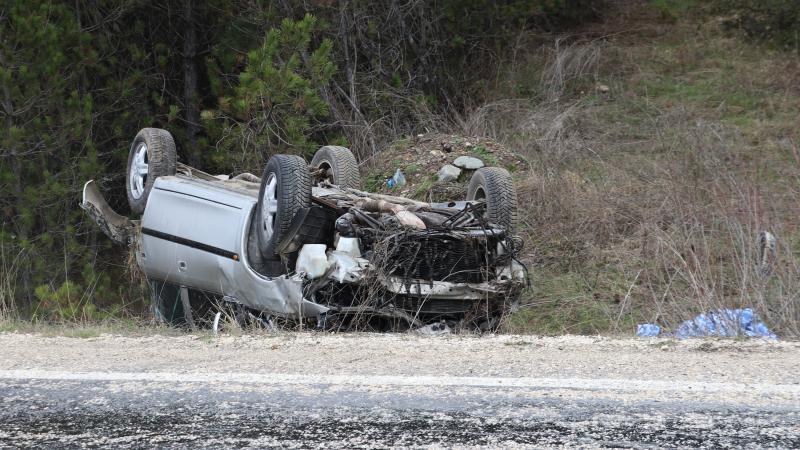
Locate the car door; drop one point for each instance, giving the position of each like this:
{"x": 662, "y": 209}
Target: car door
{"x": 204, "y": 222}
{"x": 157, "y": 251}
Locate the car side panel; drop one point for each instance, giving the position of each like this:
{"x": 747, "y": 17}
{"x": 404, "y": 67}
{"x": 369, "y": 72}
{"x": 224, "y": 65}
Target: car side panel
{"x": 216, "y": 226}
{"x": 204, "y": 233}
{"x": 157, "y": 258}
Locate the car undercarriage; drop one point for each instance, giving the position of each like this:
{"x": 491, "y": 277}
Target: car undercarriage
{"x": 295, "y": 246}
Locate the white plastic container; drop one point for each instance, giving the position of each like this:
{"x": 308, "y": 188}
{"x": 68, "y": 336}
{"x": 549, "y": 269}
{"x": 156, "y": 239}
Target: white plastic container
{"x": 348, "y": 245}
{"x": 312, "y": 261}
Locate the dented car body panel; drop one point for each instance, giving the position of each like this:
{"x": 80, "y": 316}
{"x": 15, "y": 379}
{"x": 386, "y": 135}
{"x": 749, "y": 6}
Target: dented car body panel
{"x": 194, "y": 233}
{"x": 197, "y": 232}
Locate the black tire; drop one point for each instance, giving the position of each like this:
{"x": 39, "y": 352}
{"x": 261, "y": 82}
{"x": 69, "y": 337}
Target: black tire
{"x": 341, "y": 165}
{"x": 494, "y": 186}
{"x": 161, "y": 160}
{"x": 293, "y": 192}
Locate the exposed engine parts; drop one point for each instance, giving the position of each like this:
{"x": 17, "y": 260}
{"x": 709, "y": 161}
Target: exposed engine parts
{"x": 412, "y": 260}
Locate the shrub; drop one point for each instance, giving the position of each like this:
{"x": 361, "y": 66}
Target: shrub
{"x": 773, "y": 20}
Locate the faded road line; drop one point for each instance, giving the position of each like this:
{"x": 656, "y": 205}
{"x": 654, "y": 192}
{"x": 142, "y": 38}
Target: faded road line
{"x": 590, "y": 384}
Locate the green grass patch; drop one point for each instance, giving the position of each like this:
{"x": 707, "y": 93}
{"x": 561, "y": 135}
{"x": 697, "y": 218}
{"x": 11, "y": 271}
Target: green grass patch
{"x": 422, "y": 189}
{"x": 373, "y": 182}
{"x": 672, "y": 10}
{"x": 487, "y": 157}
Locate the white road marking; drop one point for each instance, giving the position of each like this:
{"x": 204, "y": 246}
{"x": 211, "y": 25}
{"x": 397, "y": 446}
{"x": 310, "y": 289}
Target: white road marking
{"x": 603, "y": 384}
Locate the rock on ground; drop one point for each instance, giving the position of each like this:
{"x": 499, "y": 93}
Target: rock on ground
{"x": 468, "y": 162}
{"x": 421, "y": 157}
{"x": 448, "y": 172}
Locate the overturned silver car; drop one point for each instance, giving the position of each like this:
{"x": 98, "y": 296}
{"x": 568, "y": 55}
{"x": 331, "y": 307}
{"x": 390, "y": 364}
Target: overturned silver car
{"x": 303, "y": 243}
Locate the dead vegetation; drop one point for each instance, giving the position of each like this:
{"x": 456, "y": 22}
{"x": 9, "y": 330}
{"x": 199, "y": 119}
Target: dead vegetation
{"x": 655, "y": 165}
{"x": 656, "y": 153}
{"x": 649, "y": 156}
{"x": 420, "y": 157}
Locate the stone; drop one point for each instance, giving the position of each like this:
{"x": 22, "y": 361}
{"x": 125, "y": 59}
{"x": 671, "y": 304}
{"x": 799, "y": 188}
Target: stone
{"x": 449, "y": 172}
{"x": 468, "y": 162}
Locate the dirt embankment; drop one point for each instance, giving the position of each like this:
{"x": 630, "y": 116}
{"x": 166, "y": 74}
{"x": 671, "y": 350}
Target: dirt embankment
{"x": 421, "y": 157}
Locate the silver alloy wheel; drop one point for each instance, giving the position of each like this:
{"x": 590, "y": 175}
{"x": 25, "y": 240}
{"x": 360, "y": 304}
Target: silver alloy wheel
{"x": 138, "y": 171}
{"x": 270, "y": 205}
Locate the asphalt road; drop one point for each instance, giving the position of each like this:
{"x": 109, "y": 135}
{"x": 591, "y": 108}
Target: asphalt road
{"x": 98, "y": 401}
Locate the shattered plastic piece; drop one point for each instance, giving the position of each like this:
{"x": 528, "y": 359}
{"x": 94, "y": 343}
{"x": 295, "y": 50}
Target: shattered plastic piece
{"x": 119, "y": 228}
{"x": 434, "y": 329}
{"x": 345, "y": 267}
{"x": 767, "y": 253}
{"x": 725, "y": 322}
{"x": 348, "y": 246}
{"x": 515, "y": 271}
{"x": 648, "y": 330}
{"x": 397, "y": 180}
{"x": 722, "y": 323}
{"x": 312, "y": 261}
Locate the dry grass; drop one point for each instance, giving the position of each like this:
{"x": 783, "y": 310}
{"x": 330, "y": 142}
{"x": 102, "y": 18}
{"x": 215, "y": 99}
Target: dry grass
{"x": 8, "y": 284}
{"x": 645, "y": 202}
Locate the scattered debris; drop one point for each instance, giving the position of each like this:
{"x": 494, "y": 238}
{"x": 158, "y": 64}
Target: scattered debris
{"x": 421, "y": 157}
{"x": 767, "y": 253}
{"x": 468, "y": 162}
{"x": 720, "y": 323}
{"x": 448, "y": 172}
{"x": 312, "y": 261}
{"x": 434, "y": 329}
{"x": 648, "y": 330}
{"x": 397, "y": 180}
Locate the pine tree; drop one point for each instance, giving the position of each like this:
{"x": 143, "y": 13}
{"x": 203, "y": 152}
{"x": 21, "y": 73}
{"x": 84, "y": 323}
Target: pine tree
{"x": 276, "y": 103}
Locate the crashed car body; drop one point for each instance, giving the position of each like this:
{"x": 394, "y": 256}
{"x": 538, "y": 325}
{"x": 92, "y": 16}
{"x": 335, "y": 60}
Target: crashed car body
{"x": 303, "y": 242}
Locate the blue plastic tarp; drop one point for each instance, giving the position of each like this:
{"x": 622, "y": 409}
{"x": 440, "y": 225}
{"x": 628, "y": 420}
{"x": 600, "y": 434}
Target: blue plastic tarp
{"x": 722, "y": 323}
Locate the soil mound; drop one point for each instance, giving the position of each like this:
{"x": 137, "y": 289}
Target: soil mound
{"x": 421, "y": 157}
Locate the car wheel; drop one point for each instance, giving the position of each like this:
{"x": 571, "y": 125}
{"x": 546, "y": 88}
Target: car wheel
{"x": 494, "y": 186}
{"x": 152, "y": 155}
{"x": 285, "y": 189}
{"x": 340, "y": 165}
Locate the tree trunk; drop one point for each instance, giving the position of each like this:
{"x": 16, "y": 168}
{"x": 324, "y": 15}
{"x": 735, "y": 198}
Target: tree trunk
{"x": 16, "y": 167}
{"x": 190, "y": 95}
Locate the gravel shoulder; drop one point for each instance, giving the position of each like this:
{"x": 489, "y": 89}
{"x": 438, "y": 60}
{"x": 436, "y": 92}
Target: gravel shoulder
{"x": 302, "y": 390}
{"x": 707, "y": 360}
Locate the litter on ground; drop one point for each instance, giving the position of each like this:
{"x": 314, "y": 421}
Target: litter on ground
{"x": 720, "y": 323}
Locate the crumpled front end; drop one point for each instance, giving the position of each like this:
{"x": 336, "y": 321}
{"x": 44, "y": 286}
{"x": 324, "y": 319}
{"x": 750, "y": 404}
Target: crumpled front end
{"x": 445, "y": 267}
